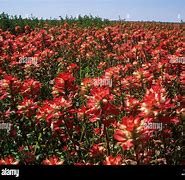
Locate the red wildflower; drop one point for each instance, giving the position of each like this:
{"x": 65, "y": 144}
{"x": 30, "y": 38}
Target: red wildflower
{"x": 27, "y": 107}
{"x": 9, "y": 86}
{"x": 30, "y": 88}
{"x": 120, "y": 135}
{"x": 53, "y": 160}
{"x": 64, "y": 83}
{"x": 9, "y": 160}
{"x": 113, "y": 160}
{"x": 110, "y": 109}
{"x": 97, "y": 150}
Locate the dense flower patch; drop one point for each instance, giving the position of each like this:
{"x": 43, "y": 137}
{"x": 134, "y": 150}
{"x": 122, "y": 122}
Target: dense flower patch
{"x": 93, "y": 96}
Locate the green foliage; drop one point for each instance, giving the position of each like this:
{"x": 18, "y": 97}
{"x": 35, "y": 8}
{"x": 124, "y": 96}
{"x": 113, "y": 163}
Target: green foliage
{"x": 9, "y": 23}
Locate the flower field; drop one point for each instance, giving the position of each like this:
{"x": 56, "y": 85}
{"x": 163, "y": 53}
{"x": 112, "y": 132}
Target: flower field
{"x": 93, "y": 95}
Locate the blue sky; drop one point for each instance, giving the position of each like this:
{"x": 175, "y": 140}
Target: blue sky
{"x": 157, "y": 10}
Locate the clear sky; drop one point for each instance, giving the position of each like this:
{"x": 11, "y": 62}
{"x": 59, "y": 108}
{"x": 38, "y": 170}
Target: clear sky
{"x": 157, "y": 10}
